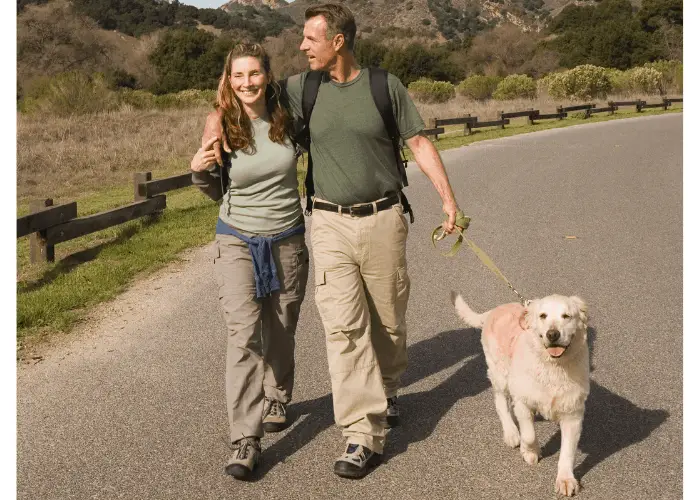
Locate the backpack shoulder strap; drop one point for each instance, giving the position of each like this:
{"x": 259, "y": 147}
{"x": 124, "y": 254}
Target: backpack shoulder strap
{"x": 312, "y": 82}
{"x": 309, "y": 93}
{"x": 379, "y": 85}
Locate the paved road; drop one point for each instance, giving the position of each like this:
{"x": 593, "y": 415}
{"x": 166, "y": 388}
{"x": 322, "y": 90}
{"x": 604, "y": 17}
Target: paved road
{"x": 135, "y": 408}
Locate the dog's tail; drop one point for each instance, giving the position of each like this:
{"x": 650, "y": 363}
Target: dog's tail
{"x": 465, "y": 312}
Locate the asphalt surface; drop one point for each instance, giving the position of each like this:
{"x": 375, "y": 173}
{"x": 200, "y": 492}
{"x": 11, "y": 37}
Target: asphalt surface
{"x": 134, "y": 408}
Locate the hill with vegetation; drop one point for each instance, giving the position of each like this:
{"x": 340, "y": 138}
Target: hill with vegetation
{"x": 165, "y": 46}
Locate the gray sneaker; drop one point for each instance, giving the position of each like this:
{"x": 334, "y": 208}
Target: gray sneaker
{"x": 274, "y": 415}
{"x": 356, "y": 462}
{"x": 246, "y": 455}
{"x": 392, "y": 412}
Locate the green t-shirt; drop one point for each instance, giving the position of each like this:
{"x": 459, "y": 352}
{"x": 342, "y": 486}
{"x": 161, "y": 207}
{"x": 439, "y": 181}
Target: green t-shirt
{"x": 354, "y": 160}
{"x": 263, "y": 196}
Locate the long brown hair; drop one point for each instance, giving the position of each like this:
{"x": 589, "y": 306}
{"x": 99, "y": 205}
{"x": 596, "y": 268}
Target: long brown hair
{"x": 235, "y": 122}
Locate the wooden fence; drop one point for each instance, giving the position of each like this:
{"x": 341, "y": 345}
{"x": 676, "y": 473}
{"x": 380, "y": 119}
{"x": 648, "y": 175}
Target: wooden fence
{"x": 48, "y": 225}
{"x": 533, "y": 115}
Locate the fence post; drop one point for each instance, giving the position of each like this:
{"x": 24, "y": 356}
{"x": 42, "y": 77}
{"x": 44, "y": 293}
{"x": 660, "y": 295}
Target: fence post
{"x": 560, "y": 110}
{"x": 530, "y": 119}
{"x": 611, "y": 105}
{"x": 468, "y": 126}
{"x": 39, "y": 250}
{"x": 500, "y": 117}
{"x": 139, "y": 179}
{"x": 639, "y": 105}
{"x": 667, "y": 103}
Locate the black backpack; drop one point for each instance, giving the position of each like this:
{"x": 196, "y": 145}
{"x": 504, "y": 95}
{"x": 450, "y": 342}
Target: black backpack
{"x": 379, "y": 85}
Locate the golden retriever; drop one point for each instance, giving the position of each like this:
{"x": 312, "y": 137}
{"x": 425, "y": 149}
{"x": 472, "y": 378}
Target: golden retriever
{"x": 537, "y": 357}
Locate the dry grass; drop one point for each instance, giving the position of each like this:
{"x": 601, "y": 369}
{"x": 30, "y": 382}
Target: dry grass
{"x": 68, "y": 157}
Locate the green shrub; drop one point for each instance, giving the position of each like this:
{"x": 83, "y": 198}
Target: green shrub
{"x": 478, "y": 87}
{"x": 515, "y": 87}
{"x": 426, "y": 90}
{"x": 137, "y": 99}
{"x": 671, "y": 73}
{"x": 582, "y": 82}
{"x": 71, "y": 93}
{"x": 619, "y": 81}
{"x": 646, "y": 80}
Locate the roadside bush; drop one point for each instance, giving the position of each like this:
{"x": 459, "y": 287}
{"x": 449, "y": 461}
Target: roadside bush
{"x": 619, "y": 81}
{"x": 515, "y": 87}
{"x": 68, "y": 94}
{"x": 646, "y": 80}
{"x": 671, "y": 75}
{"x": 478, "y": 87}
{"x": 582, "y": 82}
{"x": 430, "y": 91}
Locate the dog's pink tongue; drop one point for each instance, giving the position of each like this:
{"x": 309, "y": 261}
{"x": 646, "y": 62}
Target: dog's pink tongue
{"x": 555, "y": 352}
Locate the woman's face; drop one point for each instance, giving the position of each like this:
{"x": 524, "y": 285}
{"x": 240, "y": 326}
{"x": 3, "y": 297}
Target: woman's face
{"x": 248, "y": 79}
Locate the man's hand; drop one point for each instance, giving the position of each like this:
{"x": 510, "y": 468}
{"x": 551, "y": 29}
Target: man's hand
{"x": 212, "y": 129}
{"x": 451, "y": 210}
{"x": 205, "y": 156}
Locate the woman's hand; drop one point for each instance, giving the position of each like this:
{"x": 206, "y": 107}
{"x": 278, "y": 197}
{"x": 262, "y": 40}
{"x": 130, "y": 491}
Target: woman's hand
{"x": 205, "y": 156}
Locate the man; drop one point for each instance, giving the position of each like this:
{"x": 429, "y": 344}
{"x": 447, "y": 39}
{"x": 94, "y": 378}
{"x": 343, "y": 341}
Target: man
{"x": 362, "y": 284}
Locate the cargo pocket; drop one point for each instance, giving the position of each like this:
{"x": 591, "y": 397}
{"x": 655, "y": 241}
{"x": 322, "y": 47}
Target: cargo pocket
{"x": 336, "y": 298}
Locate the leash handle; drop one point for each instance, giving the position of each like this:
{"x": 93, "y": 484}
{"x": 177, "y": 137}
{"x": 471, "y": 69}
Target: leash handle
{"x": 461, "y": 223}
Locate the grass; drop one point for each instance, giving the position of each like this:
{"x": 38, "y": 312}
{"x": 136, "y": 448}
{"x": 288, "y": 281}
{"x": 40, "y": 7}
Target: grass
{"x": 95, "y": 268}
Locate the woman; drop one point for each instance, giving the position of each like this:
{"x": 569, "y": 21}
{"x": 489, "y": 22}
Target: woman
{"x": 260, "y": 258}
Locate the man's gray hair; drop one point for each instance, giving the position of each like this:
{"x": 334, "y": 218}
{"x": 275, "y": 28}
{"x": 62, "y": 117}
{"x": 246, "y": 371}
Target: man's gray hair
{"x": 339, "y": 20}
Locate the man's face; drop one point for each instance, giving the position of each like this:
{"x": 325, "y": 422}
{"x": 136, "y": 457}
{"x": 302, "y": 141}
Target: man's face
{"x": 318, "y": 49}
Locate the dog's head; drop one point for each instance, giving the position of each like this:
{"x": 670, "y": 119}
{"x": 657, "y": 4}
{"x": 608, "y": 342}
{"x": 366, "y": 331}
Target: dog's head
{"x": 558, "y": 323}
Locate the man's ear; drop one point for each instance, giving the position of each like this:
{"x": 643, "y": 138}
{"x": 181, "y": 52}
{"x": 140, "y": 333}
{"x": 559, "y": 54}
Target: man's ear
{"x": 580, "y": 307}
{"x": 338, "y": 42}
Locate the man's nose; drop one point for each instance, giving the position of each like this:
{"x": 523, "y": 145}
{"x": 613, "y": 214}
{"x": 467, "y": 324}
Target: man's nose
{"x": 553, "y": 335}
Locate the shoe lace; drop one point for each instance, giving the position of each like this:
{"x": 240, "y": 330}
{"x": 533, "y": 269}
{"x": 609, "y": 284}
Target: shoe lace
{"x": 242, "y": 448}
{"x": 276, "y": 408}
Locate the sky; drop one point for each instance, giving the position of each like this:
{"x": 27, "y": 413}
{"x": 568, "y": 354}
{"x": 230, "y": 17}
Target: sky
{"x": 213, "y": 4}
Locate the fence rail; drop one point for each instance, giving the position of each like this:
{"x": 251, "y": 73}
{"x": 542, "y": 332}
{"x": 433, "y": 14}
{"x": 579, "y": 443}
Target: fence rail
{"x": 48, "y": 225}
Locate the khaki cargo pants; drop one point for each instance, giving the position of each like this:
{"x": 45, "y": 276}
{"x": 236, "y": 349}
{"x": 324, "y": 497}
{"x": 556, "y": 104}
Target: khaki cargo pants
{"x": 362, "y": 290}
{"x": 260, "y": 346}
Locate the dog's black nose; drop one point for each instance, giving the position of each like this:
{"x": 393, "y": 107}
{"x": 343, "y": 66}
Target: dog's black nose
{"x": 553, "y": 335}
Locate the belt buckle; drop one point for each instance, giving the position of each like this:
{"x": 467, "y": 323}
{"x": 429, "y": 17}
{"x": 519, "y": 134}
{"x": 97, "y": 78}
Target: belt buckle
{"x": 352, "y": 209}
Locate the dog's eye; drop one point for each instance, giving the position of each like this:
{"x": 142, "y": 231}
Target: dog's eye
{"x": 565, "y": 316}
{"x": 543, "y": 316}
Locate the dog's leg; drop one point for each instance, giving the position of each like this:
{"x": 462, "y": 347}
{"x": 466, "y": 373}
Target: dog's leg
{"x": 511, "y": 436}
{"x": 529, "y": 448}
{"x": 566, "y": 483}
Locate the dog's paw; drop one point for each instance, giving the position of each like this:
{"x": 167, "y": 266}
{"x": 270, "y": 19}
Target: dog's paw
{"x": 530, "y": 457}
{"x": 511, "y": 437}
{"x": 567, "y": 486}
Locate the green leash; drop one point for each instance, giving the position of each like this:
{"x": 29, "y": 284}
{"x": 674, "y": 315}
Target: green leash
{"x": 462, "y": 223}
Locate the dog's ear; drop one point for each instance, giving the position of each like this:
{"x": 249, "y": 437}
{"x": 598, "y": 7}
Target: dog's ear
{"x": 525, "y": 320}
{"x": 581, "y": 308}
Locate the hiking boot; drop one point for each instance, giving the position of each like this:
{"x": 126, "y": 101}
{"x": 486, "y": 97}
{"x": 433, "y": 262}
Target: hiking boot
{"x": 356, "y": 462}
{"x": 246, "y": 455}
{"x": 274, "y": 415}
{"x": 392, "y": 412}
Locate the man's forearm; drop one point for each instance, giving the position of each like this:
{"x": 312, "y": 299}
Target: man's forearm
{"x": 429, "y": 162}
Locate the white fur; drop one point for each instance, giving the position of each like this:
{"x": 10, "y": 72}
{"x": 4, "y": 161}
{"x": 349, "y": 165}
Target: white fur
{"x": 534, "y": 381}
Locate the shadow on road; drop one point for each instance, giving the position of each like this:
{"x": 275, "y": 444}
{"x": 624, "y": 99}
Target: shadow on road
{"x": 421, "y": 412}
{"x": 611, "y": 423}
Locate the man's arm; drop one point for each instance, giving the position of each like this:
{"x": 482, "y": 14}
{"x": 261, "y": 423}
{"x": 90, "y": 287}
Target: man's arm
{"x": 431, "y": 165}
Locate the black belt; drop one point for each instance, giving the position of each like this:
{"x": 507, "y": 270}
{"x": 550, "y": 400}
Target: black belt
{"x": 360, "y": 210}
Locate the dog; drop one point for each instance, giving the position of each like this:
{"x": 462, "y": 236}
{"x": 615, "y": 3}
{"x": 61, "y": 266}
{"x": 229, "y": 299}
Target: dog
{"x": 537, "y": 357}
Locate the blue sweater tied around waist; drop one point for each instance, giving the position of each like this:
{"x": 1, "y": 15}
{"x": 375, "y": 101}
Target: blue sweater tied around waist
{"x": 260, "y": 247}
